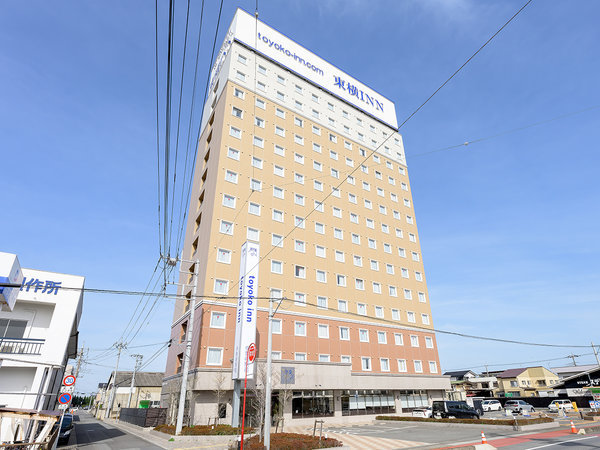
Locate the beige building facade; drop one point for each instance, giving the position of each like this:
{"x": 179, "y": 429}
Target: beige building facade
{"x": 322, "y": 185}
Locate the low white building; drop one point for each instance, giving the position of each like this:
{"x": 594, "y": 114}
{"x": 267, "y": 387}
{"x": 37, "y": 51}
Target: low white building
{"x": 38, "y": 335}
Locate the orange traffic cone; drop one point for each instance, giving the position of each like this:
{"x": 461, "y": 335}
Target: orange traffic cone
{"x": 573, "y": 429}
{"x": 483, "y": 439}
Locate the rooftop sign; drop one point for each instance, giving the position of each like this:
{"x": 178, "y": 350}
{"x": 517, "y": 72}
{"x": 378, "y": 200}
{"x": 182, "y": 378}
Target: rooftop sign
{"x": 10, "y": 273}
{"x": 277, "y": 47}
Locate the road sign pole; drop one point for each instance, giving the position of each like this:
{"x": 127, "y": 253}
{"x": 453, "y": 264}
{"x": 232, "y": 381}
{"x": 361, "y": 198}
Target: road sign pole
{"x": 250, "y": 355}
{"x": 267, "y": 434}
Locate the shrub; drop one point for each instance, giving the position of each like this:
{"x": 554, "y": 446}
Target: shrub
{"x": 520, "y": 421}
{"x": 291, "y": 441}
{"x": 203, "y": 430}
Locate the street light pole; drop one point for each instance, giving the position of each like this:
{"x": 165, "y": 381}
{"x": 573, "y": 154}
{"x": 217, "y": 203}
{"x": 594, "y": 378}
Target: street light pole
{"x": 188, "y": 350}
{"x": 138, "y": 363}
{"x": 120, "y": 346}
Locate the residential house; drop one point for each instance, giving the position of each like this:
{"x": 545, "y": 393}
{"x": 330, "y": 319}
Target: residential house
{"x": 466, "y": 383}
{"x": 146, "y": 391}
{"x": 526, "y": 382}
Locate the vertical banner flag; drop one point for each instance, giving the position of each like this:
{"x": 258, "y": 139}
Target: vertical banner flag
{"x": 245, "y": 324}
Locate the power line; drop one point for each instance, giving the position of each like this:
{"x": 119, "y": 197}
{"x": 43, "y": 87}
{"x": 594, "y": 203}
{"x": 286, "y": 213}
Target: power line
{"x": 519, "y": 363}
{"x": 157, "y": 120}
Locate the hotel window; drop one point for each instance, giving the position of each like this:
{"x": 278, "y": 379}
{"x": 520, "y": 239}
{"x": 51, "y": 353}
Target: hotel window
{"x": 228, "y": 201}
{"x": 277, "y": 192}
{"x": 368, "y": 204}
{"x": 396, "y": 215}
{"x": 333, "y": 155}
{"x": 276, "y": 266}
{"x": 378, "y": 175}
{"x": 261, "y": 87}
{"x": 237, "y": 112}
{"x": 338, "y": 233}
{"x": 277, "y": 215}
{"x": 259, "y": 102}
{"x": 335, "y": 192}
{"x": 355, "y": 238}
{"x": 341, "y": 280}
{"x": 350, "y": 180}
{"x": 279, "y": 150}
{"x": 393, "y": 291}
{"x": 242, "y": 59}
{"x": 323, "y": 331}
{"x": 316, "y": 147}
{"x": 233, "y": 153}
{"x": 342, "y": 306}
{"x": 409, "y": 219}
{"x": 217, "y": 319}
{"x": 254, "y": 208}
{"x": 350, "y": 162}
{"x": 298, "y": 89}
{"x": 389, "y": 268}
{"x": 333, "y": 138}
{"x": 240, "y": 76}
{"x": 320, "y": 251}
{"x": 380, "y": 192}
{"x": 259, "y": 122}
{"x": 279, "y": 131}
{"x": 404, "y": 186}
{"x": 255, "y": 185}
{"x": 299, "y": 199}
{"x": 363, "y": 335}
{"x": 257, "y": 162}
{"x": 335, "y": 173}
{"x": 399, "y": 233}
{"x": 407, "y": 294}
{"x": 376, "y": 288}
{"x": 364, "y": 168}
{"x": 259, "y": 142}
{"x": 276, "y": 326}
{"x": 361, "y": 137}
{"x": 300, "y": 246}
{"x": 299, "y": 356}
{"x": 330, "y": 106}
{"x": 412, "y": 237}
{"x": 226, "y": 227}
{"x": 361, "y": 308}
{"x": 414, "y": 341}
{"x": 384, "y": 364}
{"x": 411, "y": 317}
{"x": 298, "y": 122}
{"x": 280, "y": 96}
{"x": 276, "y": 240}
{"x": 280, "y": 79}
{"x": 319, "y": 228}
{"x": 344, "y": 334}
{"x": 370, "y": 223}
{"x": 299, "y": 222}
{"x": 231, "y": 176}
{"x": 398, "y": 340}
{"x": 379, "y": 311}
{"x": 401, "y": 252}
{"x": 262, "y": 69}
{"x": 357, "y": 260}
{"x": 252, "y": 234}
{"x": 300, "y": 328}
{"x": 418, "y": 366}
{"x": 235, "y": 132}
{"x": 422, "y": 297}
{"x": 406, "y": 202}
{"x": 321, "y": 302}
{"x": 418, "y": 276}
{"x": 366, "y": 186}
{"x": 348, "y": 145}
{"x": 402, "y": 365}
{"x": 275, "y": 356}
{"x": 389, "y": 165}
{"x": 316, "y": 130}
{"x": 315, "y": 113}
{"x": 298, "y": 178}
{"x": 298, "y": 158}
{"x": 299, "y": 299}
{"x": 214, "y": 356}
{"x": 238, "y": 93}
{"x": 392, "y": 181}
{"x": 280, "y": 113}
{"x": 387, "y": 248}
{"x": 382, "y": 210}
{"x": 415, "y": 256}
{"x": 221, "y": 286}
{"x": 339, "y": 256}
{"x": 321, "y": 276}
{"x": 324, "y": 358}
{"x": 276, "y": 294}
{"x": 381, "y": 337}
{"x": 299, "y": 271}
{"x": 315, "y": 98}
{"x": 366, "y": 363}
{"x": 353, "y": 218}
{"x": 372, "y": 243}
{"x": 318, "y": 166}
{"x": 425, "y": 319}
{"x": 428, "y": 342}
{"x": 318, "y": 206}
{"x": 359, "y": 284}
{"x": 394, "y": 197}
{"x": 374, "y": 265}
{"x": 224, "y": 256}
{"x": 298, "y": 104}
{"x": 404, "y": 272}
{"x": 433, "y": 367}
{"x": 318, "y": 185}
{"x": 337, "y": 212}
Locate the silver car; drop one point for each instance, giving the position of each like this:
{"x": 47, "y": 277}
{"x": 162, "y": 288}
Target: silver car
{"x": 518, "y": 406}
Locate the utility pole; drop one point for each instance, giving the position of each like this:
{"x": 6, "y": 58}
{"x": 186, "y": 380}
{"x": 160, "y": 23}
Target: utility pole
{"x": 188, "y": 350}
{"x": 572, "y": 356}
{"x": 120, "y": 346}
{"x": 267, "y": 436}
{"x": 79, "y": 358}
{"x": 138, "y": 363}
{"x": 595, "y": 354}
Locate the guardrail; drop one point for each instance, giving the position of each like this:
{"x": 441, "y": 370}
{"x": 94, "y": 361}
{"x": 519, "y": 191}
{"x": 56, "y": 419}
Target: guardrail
{"x": 21, "y": 346}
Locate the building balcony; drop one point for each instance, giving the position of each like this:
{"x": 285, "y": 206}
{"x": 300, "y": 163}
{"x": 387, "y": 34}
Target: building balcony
{"x": 21, "y": 346}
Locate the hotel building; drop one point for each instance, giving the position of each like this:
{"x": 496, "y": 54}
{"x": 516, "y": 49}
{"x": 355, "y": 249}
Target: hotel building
{"x": 304, "y": 160}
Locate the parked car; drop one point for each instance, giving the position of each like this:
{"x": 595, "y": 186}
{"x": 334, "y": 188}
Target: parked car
{"x": 491, "y": 405}
{"x": 556, "y": 405}
{"x": 453, "y": 409}
{"x": 65, "y": 428}
{"x": 518, "y": 406}
{"x": 422, "y": 412}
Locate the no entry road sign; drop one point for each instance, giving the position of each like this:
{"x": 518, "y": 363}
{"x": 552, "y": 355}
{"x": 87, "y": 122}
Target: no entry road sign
{"x": 251, "y": 352}
{"x": 64, "y": 398}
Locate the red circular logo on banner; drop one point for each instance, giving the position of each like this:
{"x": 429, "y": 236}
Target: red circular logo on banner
{"x": 251, "y": 352}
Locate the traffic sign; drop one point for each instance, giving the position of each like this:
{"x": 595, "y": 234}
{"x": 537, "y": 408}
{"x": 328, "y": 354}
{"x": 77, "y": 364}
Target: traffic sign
{"x": 594, "y": 404}
{"x": 64, "y": 398}
{"x": 251, "y": 352}
{"x": 65, "y": 406}
{"x": 69, "y": 380}
{"x": 68, "y": 389}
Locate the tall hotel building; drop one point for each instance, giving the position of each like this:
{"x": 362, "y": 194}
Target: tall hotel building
{"x": 305, "y": 161}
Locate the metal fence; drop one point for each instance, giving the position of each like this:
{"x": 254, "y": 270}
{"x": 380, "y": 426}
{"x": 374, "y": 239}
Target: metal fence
{"x": 144, "y": 417}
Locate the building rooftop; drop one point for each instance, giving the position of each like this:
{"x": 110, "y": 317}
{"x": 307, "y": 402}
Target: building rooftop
{"x": 142, "y": 379}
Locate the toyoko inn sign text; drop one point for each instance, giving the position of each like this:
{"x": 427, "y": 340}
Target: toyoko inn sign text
{"x": 253, "y": 33}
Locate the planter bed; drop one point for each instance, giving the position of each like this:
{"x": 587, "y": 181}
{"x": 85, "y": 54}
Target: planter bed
{"x": 291, "y": 441}
{"x": 497, "y": 424}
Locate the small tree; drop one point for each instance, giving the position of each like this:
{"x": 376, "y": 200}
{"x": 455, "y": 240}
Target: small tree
{"x": 219, "y": 390}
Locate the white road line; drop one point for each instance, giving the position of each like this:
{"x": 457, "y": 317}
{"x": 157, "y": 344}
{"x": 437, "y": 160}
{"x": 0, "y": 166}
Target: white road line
{"x": 558, "y": 443}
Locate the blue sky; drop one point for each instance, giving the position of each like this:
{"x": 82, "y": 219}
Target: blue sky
{"x": 508, "y": 226}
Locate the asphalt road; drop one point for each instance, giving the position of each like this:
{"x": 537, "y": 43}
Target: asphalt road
{"x": 92, "y": 434}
